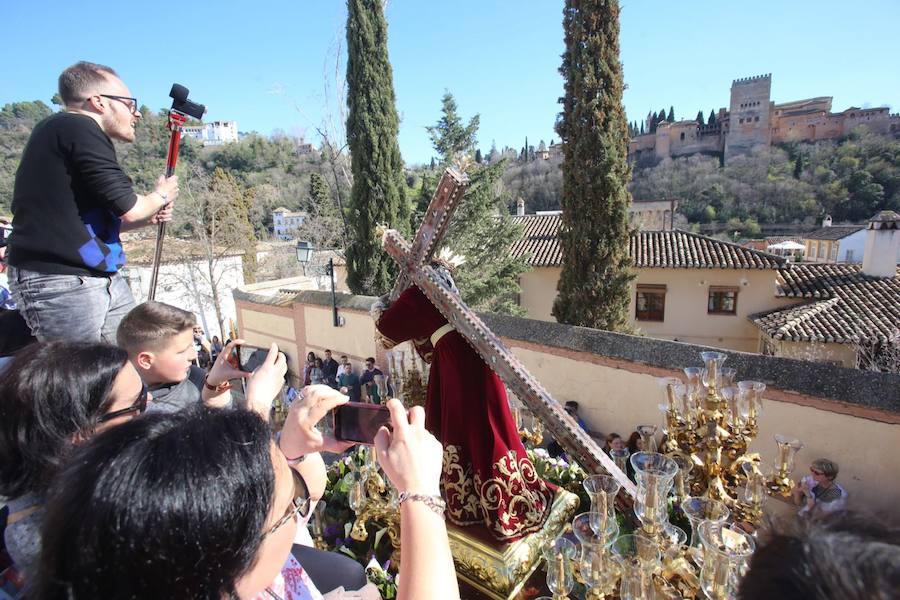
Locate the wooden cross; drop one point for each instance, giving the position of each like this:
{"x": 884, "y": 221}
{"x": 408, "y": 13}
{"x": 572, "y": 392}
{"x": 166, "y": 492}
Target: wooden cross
{"x": 415, "y": 268}
{"x": 434, "y": 225}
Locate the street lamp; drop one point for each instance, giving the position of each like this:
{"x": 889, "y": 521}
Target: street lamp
{"x": 305, "y": 251}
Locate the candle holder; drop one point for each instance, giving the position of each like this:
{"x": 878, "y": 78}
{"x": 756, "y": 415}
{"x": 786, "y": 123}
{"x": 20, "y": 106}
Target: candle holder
{"x": 781, "y": 484}
{"x": 699, "y": 509}
{"x": 597, "y": 568}
{"x": 648, "y": 437}
{"x": 602, "y": 490}
{"x": 559, "y": 556}
{"x": 749, "y": 509}
{"x": 639, "y": 557}
{"x": 620, "y": 457}
{"x": 750, "y": 405}
{"x": 681, "y": 483}
{"x": 726, "y": 552}
{"x": 654, "y": 474}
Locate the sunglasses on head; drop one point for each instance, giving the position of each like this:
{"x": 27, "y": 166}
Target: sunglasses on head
{"x": 815, "y": 471}
{"x": 139, "y": 406}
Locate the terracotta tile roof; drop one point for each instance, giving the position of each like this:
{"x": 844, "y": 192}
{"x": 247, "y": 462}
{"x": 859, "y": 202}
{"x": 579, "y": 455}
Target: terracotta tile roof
{"x": 649, "y": 249}
{"x": 835, "y": 232}
{"x": 847, "y": 305}
{"x": 140, "y": 251}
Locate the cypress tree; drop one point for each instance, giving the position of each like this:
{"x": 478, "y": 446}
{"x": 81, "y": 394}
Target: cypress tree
{"x": 642, "y": 128}
{"x": 661, "y": 117}
{"x": 671, "y": 117}
{"x": 712, "y": 117}
{"x": 478, "y": 157}
{"x": 654, "y": 122}
{"x": 700, "y": 118}
{"x": 594, "y": 287}
{"x": 378, "y": 195}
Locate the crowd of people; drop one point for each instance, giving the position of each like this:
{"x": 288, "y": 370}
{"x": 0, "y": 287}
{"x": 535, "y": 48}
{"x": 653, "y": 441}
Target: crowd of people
{"x": 128, "y": 470}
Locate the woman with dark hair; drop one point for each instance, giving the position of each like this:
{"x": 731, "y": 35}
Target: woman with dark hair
{"x": 635, "y": 443}
{"x": 53, "y": 395}
{"x": 310, "y": 364}
{"x": 125, "y": 521}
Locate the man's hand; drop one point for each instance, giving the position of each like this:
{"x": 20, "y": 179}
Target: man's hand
{"x": 222, "y": 370}
{"x": 167, "y": 188}
{"x": 163, "y": 216}
{"x": 266, "y": 382}
{"x": 299, "y": 436}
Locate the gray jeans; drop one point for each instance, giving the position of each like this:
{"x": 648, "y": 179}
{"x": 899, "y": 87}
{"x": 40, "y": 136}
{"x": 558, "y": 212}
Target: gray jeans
{"x": 71, "y": 307}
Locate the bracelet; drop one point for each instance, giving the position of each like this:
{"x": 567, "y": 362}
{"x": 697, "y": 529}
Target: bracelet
{"x": 222, "y": 387}
{"x": 291, "y": 461}
{"x": 435, "y": 503}
{"x": 165, "y": 197}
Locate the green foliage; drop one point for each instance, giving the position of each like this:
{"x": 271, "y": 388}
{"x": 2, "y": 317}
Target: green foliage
{"x": 378, "y": 196}
{"x": 450, "y": 138}
{"x": 671, "y": 117}
{"x": 23, "y": 114}
{"x": 594, "y": 234}
{"x": 700, "y": 120}
{"x": 712, "y": 117}
{"x": 482, "y": 229}
{"x": 851, "y": 180}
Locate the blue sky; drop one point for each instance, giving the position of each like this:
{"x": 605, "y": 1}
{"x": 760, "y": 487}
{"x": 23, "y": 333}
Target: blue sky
{"x": 266, "y": 63}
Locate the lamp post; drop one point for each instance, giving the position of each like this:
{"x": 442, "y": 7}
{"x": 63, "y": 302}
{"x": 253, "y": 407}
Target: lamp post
{"x": 305, "y": 252}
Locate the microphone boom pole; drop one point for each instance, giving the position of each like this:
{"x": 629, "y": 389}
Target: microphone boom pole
{"x": 182, "y": 108}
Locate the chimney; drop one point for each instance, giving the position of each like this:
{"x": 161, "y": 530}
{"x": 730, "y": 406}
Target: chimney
{"x": 826, "y": 222}
{"x": 520, "y": 208}
{"x": 882, "y": 245}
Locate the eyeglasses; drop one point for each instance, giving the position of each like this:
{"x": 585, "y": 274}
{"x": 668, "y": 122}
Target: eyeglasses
{"x": 139, "y": 406}
{"x": 131, "y": 104}
{"x": 299, "y": 505}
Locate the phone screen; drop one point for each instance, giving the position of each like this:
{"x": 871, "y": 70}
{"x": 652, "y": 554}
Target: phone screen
{"x": 251, "y": 357}
{"x": 358, "y": 422}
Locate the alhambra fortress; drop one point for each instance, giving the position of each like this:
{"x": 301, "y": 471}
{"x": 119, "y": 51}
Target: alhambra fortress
{"x": 752, "y": 120}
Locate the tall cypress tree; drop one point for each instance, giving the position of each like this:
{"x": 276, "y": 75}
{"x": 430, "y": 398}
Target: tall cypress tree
{"x": 662, "y": 116}
{"x": 671, "y": 117}
{"x": 594, "y": 287}
{"x": 700, "y": 118}
{"x": 712, "y": 117}
{"x": 379, "y": 193}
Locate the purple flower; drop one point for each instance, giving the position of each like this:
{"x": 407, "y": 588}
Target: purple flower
{"x": 333, "y": 530}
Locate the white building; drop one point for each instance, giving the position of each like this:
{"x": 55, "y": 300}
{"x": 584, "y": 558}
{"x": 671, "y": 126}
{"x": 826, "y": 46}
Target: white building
{"x": 286, "y": 222}
{"x": 184, "y": 279}
{"x": 214, "y": 133}
{"x": 835, "y": 243}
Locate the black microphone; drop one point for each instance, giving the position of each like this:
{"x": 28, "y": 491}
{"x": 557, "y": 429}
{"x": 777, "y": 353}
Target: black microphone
{"x": 180, "y": 102}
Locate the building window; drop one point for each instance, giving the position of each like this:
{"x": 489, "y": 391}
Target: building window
{"x": 821, "y": 252}
{"x": 722, "y": 301}
{"x": 849, "y": 258}
{"x": 682, "y": 135}
{"x": 650, "y": 303}
{"x": 756, "y": 118}
{"x": 834, "y": 251}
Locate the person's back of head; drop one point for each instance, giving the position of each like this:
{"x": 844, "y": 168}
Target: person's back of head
{"x": 51, "y": 395}
{"x": 159, "y": 339}
{"x": 171, "y": 505}
{"x": 80, "y": 80}
{"x": 846, "y": 556}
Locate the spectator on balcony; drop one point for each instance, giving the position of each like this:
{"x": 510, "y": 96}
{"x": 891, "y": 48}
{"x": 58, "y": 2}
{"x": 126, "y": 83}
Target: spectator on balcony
{"x": 348, "y": 383}
{"x": 635, "y": 443}
{"x": 316, "y": 373}
{"x": 818, "y": 493}
{"x": 54, "y": 395}
{"x": 330, "y": 369}
{"x": 310, "y": 364}
{"x": 849, "y": 556}
{"x": 369, "y": 382}
{"x": 614, "y": 441}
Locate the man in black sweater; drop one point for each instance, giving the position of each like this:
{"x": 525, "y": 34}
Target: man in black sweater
{"x": 71, "y": 200}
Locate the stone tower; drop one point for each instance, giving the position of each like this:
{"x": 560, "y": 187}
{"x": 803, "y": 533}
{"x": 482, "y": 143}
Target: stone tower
{"x": 750, "y": 113}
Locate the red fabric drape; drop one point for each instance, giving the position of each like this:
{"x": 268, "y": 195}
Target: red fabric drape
{"x": 487, "y": 477}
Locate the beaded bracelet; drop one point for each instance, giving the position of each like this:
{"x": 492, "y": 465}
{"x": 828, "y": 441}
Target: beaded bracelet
{"x": 435, "y": 503}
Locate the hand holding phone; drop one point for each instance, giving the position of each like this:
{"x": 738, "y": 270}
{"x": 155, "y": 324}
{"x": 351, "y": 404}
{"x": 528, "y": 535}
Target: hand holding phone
{"x": 359, "y": 422}
{"x": 300, "y": 436}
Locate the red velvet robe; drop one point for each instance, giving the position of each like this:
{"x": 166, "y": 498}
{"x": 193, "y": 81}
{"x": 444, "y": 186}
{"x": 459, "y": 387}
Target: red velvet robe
{"x": 487, "y": 477}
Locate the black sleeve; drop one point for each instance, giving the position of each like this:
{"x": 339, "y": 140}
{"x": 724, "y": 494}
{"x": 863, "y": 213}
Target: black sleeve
{"x": 93, "y": 158}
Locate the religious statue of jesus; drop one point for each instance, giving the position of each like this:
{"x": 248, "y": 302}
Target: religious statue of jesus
{"x": 487, "y": 477}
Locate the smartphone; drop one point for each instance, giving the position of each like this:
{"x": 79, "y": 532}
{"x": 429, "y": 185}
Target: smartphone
{"x": 359, "y": 422}
{"x": 249, "y": 358}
